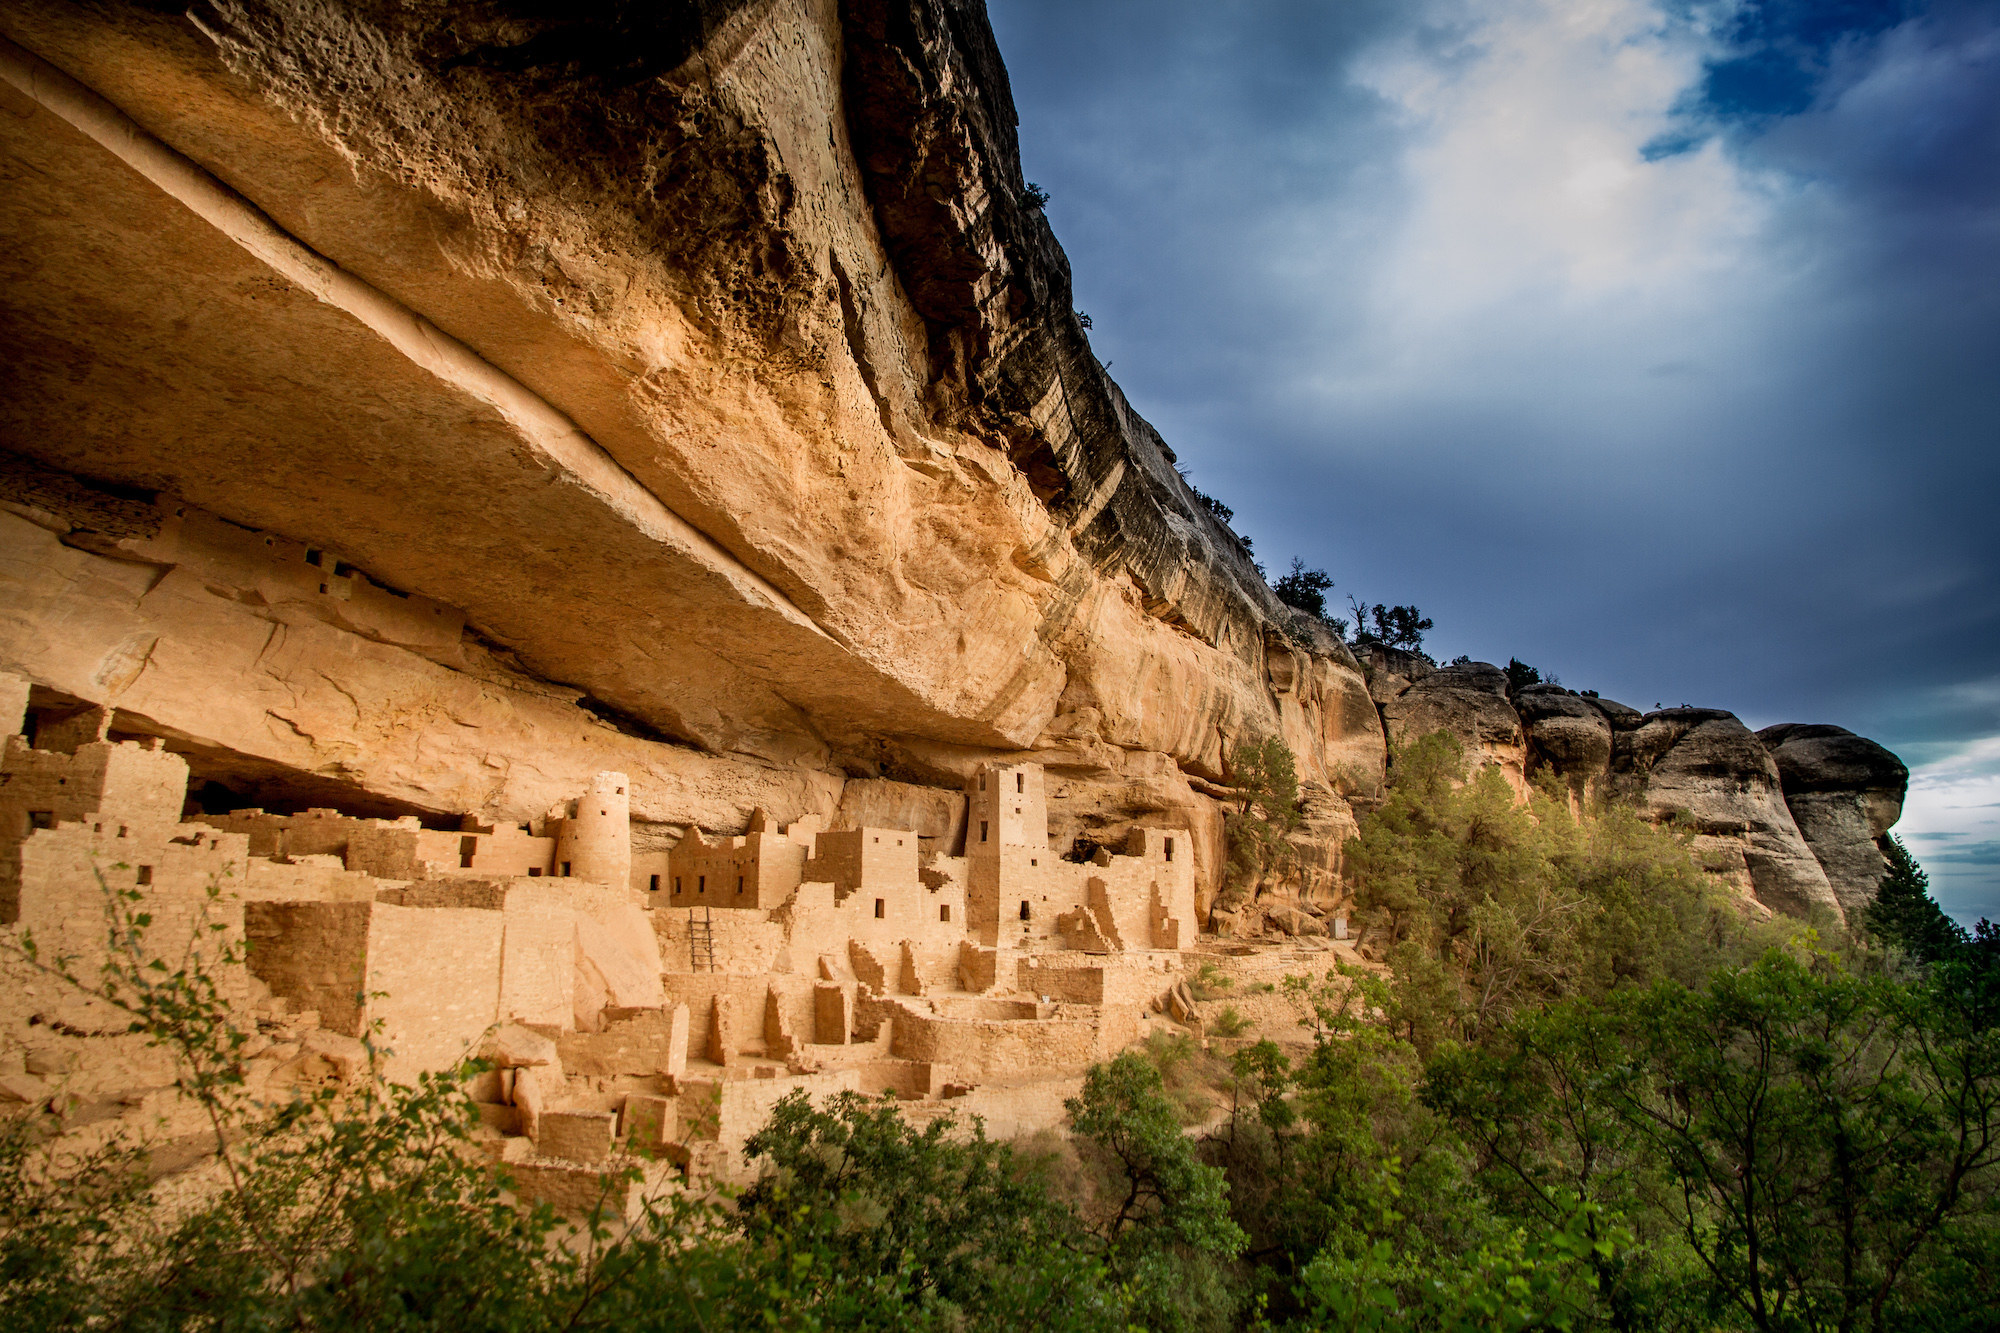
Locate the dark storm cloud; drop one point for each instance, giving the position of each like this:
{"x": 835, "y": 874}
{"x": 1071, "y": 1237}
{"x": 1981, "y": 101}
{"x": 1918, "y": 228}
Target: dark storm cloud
{"x": 1654, "y": 343}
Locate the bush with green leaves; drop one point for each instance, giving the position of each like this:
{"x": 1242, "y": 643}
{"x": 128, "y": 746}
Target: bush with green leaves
{"x": 1485, "y": 904}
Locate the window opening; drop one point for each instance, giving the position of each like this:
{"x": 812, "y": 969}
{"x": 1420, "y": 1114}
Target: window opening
{"x": 982, "y": 830}
{"x": 565, "y": 873}
{"x": 534, "y": 872}
{"x": 145, "y": 875}
{"x": 468, "y": 847}
{"x": 739, "y": 883}
{"x": 701, "y": 884}
{"x": 944, "y": 912}
{"x": 47, "y": 819}
{"x": 1020, "y": 782}
{"x": 1024, "y": 909}
{"x": 881, "y": 909}
{"x": 312, "y": 556}
{"x": 652, "y": 884}
{"x": 1170, "y": 849}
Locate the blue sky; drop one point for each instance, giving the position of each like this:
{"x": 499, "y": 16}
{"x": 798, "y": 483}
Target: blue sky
{"x": 1654, "y": 342}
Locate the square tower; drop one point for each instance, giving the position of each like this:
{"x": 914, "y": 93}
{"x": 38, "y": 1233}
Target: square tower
{"x": 1006, "y": 806}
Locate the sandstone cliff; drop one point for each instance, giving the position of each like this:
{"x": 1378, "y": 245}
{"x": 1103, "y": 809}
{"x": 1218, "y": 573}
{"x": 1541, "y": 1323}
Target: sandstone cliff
{"x": 417, "y": 408}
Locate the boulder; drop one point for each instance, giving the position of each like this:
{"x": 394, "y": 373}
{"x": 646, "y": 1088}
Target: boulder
{"x": 1293, "y": 921}
{"x": 1844, "y": 792}
{"x": 511, "y": 1046}
{"x": 1390, "y": 671}
{"x": 1706, "y": 767}
{"x": 1566, "y": 733}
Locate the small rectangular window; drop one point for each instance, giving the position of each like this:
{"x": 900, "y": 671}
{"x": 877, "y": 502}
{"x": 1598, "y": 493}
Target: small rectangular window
{"x": 468, "y": 847}
{"x": 47, "y": 819}
{"x": 565, "y": 873}
{"x": 1170, "y": 849}
{"x": 701, "y": 884}
{"x": 677, "y": 883}
{"x": 312, "y": 556}
{"x": 982, "y": 782}
{"x": 881, "y": 909}
{"x": 1020, "y": 782}
{"x": 982, "y": 830}
{"x": 944, "y": 912}
{"x": 534, "y": 872}
{"x": 652, "y": 884}
{"x": 1033, "y": 861}
{"x": 145, "y": 875}
{"x": 739, "y": 883}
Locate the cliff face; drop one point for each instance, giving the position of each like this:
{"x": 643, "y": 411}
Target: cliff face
{"x": 421, "y": 407}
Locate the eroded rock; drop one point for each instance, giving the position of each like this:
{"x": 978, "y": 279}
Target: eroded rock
{"x": 1844, "y": 792}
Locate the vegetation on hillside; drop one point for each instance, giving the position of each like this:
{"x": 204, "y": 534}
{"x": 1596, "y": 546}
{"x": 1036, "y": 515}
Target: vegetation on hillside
{"x": 1590, "y": 1094}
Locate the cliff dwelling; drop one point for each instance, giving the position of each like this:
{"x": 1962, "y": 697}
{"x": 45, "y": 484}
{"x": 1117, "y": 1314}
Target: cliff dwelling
{"x": 644, "y": 580}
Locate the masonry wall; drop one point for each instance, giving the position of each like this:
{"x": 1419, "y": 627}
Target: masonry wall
{"x": 434, "y": 979}
{"x": 315, "y": 954}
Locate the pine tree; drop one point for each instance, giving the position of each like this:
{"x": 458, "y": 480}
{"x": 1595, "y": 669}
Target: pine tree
{"x": 1905, "y": 915}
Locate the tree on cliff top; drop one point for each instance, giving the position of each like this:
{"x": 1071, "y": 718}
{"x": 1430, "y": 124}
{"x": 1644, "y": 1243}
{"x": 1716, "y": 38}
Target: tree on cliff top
{"x": 1304, "y": 589}
{"x": 1391, "y": 626}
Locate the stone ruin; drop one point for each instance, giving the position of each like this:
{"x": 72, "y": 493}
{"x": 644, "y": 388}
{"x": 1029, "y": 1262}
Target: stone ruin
{"x": 664, "y": 1001}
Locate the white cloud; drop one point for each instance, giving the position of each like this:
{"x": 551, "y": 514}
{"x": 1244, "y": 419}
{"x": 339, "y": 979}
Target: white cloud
{"x": 1538, "y": 250}
{"x": 1952, "y": 822}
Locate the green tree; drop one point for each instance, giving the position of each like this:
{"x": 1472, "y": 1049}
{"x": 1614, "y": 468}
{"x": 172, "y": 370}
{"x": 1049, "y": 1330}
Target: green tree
{"x": 1393, "y": 626}
{"x": 1304, "y": 589}
{"x": 1905, "y": 916}
{"x": 1267, "y": 785}
{"x": 1162, "y": 1216}
{"x": 914, "y": 1222}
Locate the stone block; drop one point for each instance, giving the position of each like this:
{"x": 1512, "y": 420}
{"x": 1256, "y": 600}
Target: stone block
{"x": 577, "y": 1136}
{"x": 651, "y": 1122}
{"x": 677, "y": 1043}
{"x": 513, "y": 1046}
{"x": 833, "y": 1015}
{"x": 721, "y": 1032}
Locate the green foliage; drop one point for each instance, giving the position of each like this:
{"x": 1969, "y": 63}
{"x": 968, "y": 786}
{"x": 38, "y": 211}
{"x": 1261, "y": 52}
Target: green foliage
{"x": 1799, "y": 1146}
{"x": 1210, "y": 982}
{"x": 1520, "y": 676}
{"x": 917, "y": 1224}
{"x": 1163, "y": 1215}
{"x": 1229, "y": 1023}
{"x": 1392, "y": 626}
{"x": 1268, "y": 785}
{"x": 1546, "y": 1279}
{"x": 1905, "y": 916}
{"x": 1486, "y": 904}
{"x": 1304, "y": 589}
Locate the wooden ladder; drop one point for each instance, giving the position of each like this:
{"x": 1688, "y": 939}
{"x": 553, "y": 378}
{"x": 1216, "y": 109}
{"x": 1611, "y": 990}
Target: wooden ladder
{"x": 701, "y": 941}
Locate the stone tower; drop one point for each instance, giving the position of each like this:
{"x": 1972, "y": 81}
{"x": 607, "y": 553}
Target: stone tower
{"x": 596, "y": 842}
